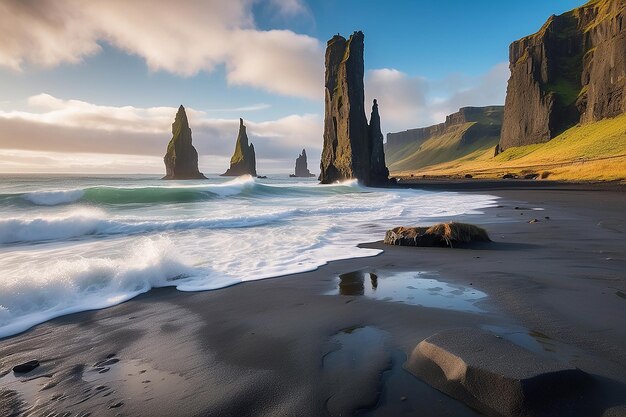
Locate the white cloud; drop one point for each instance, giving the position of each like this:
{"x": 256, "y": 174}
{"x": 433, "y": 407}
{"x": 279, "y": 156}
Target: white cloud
{"x": 61, "y": 129}
{"x": 401, "y": 98}
{"x": 290, "y": 8}
{"x": 182, "y": 37}
{"x": 21, "y": 161}
{"x": 407, "y": 102}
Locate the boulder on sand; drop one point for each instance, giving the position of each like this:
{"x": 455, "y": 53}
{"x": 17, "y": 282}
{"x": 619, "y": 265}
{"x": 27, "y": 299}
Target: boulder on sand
{"x": 439, "y": 235}
{"x": 498, "y": 377}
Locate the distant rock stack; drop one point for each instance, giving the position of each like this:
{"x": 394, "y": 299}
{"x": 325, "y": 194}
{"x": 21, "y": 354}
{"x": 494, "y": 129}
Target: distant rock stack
{"x": 243, "y": 161}
{"x": 379, "y": 174}
{"x": 302, "y": 168}
{"x": 181, "y": 158}
{"x": 347, "y": 149}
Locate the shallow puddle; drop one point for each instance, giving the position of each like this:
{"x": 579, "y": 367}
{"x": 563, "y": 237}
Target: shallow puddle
{"x": 352, "y": 367}
{"x": 355, "y": 346}
{"x": 536, "y": 342}
{"x": 414, "y": 288}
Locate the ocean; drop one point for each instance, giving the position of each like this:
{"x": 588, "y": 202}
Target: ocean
{"x": 70, "y": 243}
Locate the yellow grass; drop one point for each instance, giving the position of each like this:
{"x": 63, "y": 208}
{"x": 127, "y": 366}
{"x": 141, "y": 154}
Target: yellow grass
{"x": 438, "y": 149}
{"x": 590, "y": 152}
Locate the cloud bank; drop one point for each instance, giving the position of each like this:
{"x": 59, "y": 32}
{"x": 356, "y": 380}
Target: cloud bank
{"x": 58, "y": 130}
{"x": 407, "y": 102}
{"x": 182, "y": 38}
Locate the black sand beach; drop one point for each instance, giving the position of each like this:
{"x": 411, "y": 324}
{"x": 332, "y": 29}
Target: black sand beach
{"x": 289, "y": 347}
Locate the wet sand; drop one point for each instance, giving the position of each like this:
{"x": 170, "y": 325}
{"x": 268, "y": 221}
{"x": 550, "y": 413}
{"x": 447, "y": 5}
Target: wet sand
{"x": 296, "y": 346}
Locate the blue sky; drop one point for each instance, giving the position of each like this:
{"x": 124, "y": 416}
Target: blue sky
{"x": 423, "y": 60}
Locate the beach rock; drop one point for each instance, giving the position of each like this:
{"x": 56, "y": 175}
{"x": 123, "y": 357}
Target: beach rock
{"x": 181, "y": 158}
{"x": 497, "y": 377}
{"x": 26, "y": 367}
{"x": 302, "y": 169}
{"x": 348, "y": 151}
{"x": 573, "y": 70}
{"x": 243, "y": 161}
{"x": 439, "y": 235}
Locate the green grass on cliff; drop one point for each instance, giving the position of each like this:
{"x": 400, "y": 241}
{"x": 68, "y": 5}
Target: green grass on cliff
{"x": 593, "y": 151}
{"x": 436, "y": 150}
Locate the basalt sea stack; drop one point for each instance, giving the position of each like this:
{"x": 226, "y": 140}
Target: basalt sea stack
{"x": 302, "y": 168}
{"x": 379, "y": 173}
{"x": 348, "y": 148}
{"x": 243, "y": 161}
{"x": 573, "y": 70}
{"x": 181, "y": 158}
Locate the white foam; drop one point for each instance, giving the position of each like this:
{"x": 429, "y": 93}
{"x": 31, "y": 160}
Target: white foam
{"x": 88, "y": 257}
{"x": 79, "y": 222}
{"x": 53, "y": 198}
{"x": 35, "y": 291}
{"x": 86, "y": 222}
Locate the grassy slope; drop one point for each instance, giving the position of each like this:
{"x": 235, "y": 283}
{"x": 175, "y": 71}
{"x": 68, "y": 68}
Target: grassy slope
{"x": 594, "y": 151}
{"x": 437, "y": 150}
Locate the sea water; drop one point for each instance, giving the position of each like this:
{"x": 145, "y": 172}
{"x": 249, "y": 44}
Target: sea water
{"x": 70, "y": 244}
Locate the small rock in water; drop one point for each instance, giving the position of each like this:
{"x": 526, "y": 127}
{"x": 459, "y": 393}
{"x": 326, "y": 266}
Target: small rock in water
{"x": 402, "y": 398}
{"x": 25, "y": 367}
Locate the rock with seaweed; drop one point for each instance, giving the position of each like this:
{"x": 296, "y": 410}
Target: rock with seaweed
{"x": 243, "y": 161}
{"x": 439, "y": 235}
{"x": 181, "y": 158}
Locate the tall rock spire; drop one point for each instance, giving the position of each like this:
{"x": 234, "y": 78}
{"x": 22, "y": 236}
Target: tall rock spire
{"x": 347, "y": 149}
{"x": 181, "y": 158}
{"x": 243, "y": 161}
{"x": 379, "y": 174}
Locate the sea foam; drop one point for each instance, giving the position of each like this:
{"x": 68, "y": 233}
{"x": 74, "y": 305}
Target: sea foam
{"x": 96, "y": 243}
{"x": 34, "y": 292}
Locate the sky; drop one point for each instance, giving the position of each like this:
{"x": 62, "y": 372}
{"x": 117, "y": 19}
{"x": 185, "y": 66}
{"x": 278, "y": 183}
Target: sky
{"x": 93, "y": 87}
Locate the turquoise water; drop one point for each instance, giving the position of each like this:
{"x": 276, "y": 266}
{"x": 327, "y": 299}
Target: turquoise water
{"x": 71, "y": 244}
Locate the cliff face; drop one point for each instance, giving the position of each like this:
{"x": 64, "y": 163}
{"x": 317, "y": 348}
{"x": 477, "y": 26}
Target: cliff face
{"x": 181, "y": 158}
{"x": 302, "y": 169}
{"x": 469, "y": 130}
{"x": 347, "y": 149}
{"x": 572, "y": 70}
{"x": 488, "y": 122}
{"x": 604, "y": 63}
{"x": 243, "y": 161}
